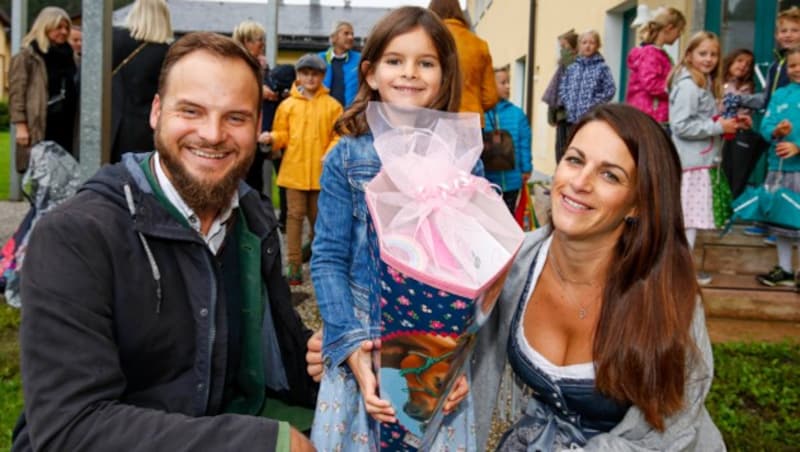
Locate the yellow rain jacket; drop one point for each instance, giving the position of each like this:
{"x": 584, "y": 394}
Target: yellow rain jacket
{"x": 304, "y": 129}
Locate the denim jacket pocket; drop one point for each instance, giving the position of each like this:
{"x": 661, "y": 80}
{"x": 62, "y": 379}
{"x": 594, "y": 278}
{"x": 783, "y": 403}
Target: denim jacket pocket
{"x": 358, "y": 175}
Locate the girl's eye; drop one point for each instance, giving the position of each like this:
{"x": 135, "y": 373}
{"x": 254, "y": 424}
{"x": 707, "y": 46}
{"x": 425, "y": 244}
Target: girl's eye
{"x": 393, "y": 61}
{"x": 427, "y": 64}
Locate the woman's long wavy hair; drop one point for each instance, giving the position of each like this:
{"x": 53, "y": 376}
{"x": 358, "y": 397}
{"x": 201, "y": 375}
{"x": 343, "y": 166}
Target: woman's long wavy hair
{"x": 48, "y": 19}
{"x": 400, "y": 21}
{"x": 642, "y": 343}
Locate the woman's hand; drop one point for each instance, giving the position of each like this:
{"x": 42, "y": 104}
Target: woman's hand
{"x": 23, "y": 136}
{"x": 782, "y": 129}
{"x": 729, "y": 125}
{"x": 360, "y": 362}
{"x": 457, "y": 395}
{"x": 786, "y": 149}
{"x": 314, "y": 365}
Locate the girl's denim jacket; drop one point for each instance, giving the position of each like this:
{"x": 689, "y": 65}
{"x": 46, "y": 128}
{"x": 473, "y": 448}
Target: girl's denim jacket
{"x": 341, "y": 266}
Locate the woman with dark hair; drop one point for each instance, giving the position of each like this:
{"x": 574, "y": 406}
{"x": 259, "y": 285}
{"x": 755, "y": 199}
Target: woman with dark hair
{"x": 478, "y": 89}
{"x": 42, "y": 97}
{"x": 607, "y": 332}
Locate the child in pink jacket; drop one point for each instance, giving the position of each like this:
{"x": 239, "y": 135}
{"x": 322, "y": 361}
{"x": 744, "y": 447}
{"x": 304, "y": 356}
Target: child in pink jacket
{"x": 649, "y": 65}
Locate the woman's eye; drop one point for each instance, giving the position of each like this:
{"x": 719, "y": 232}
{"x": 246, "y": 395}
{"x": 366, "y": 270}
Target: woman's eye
{"x": 573, "y": 160}
{"x": 610, "y": 176}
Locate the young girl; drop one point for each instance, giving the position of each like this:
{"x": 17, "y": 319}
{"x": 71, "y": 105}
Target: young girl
{"x": 780, "y": 123}
{"x": 409, "y": 60}
{"x": 649, "y": 65}
{"x": 741, "y": 154}
{"x": 588, "y": 81}
{"x": 556, "y": 113}
{"x": 697, "y": 129}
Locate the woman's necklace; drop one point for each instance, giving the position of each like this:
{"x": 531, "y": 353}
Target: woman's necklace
{"x": 562, "y": 279}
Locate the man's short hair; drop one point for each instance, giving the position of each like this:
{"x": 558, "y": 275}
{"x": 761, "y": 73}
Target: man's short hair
{"x": 216, "y": 44}
{"x": 338, "y": 25}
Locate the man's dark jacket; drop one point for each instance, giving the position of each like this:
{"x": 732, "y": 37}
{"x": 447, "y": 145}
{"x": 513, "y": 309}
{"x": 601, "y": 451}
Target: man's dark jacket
{"x": 110, "y": 360}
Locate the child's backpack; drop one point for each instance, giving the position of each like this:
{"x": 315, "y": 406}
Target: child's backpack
{"x": 52, "y": 177}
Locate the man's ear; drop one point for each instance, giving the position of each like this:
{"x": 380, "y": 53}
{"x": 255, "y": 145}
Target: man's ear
{"x": 155, "y": 111}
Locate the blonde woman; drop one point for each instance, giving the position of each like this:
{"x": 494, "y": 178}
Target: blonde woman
{"x": 252, "y": 36}
{"x": 137, "y": 53}
{"x": 42, "y": 94}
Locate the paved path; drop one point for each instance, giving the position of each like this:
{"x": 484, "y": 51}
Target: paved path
{"x": 11, "y": 213}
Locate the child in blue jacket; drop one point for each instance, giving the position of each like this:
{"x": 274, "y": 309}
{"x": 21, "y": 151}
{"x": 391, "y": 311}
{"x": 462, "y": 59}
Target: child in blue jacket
{"x": 511, "y": 118}
{"x": 783, "y": 163}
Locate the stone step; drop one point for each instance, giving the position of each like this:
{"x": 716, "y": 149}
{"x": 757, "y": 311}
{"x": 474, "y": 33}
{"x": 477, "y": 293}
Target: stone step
{"x": 735, "y": 253}
{"x": 742, "y": 297}
{"x": 743, "y": 330}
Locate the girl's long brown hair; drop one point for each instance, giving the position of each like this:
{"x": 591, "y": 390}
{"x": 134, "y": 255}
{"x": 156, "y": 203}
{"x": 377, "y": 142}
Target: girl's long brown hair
{"x": 400, "y": 21}
{"x": 643, "y": 340}
{"x": 747, "y": 81}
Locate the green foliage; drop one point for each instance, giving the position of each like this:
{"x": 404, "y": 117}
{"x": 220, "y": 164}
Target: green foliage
{"x": 755, "y": 397}
{"x": 5, "y": 164}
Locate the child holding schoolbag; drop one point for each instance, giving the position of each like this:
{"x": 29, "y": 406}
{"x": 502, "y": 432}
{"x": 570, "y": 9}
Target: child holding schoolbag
{"x": 697, "y": 131}
{"x": 780, "y": 125}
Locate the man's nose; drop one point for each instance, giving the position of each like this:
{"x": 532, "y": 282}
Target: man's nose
{"x": 211, "y": 130}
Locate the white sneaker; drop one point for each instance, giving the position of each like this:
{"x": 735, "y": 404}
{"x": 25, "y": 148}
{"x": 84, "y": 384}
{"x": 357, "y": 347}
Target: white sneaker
{"x": 704, "y": 278}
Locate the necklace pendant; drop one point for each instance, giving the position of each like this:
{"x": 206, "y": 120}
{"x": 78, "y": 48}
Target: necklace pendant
{"x": 582, "y": 313}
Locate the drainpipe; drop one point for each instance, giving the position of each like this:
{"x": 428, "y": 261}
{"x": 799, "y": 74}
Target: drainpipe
{"x": 531, "y": 59}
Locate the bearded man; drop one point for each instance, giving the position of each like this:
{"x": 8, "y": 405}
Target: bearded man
{"x": 155, "y": 313}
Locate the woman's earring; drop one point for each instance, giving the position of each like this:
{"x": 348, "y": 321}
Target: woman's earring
{"x": 631, "y": 221}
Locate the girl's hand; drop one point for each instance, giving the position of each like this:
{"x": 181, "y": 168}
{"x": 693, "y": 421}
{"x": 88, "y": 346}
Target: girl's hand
{"x": 314, "y": 365}
{"x": 745, "y": 122}
{"x": 360, "y": 362}
{"x": 729, "y": 125}
{"x": 23, "y": 137}
{"x": 265, "y": 138}
{"x": 457, "y": 395}
{"x": 782, "y": 129}
{"x": 786, "y": 149}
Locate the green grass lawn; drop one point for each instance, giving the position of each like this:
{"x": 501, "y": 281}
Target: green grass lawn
{"x": 5, "y": 163}
{"x": 755, "y": 398}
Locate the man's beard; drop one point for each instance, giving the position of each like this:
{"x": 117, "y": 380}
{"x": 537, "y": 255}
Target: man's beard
{"x": 199, "y": 195}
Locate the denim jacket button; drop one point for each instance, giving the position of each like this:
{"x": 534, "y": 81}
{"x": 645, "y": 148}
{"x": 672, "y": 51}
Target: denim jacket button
{"x": 203, "y": 312}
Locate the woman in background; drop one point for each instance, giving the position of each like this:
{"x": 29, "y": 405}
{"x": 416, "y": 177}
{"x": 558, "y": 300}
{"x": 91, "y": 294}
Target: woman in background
{"x": 137, "y": 53}
{"x": 252, "y": 36}
{"x": 42, "y": 95}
